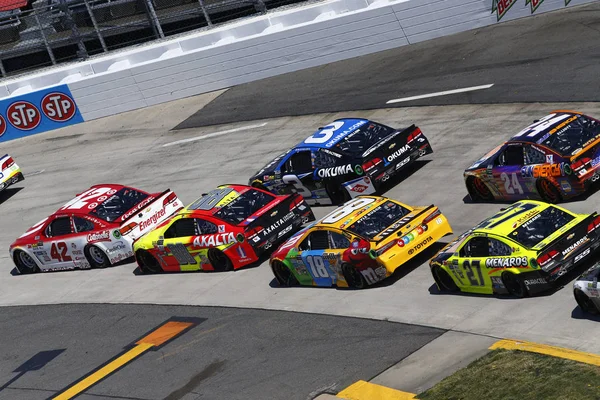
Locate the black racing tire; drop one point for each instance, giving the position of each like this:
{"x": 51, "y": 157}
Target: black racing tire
{"x": 282, "y": 273}
{"x": 96, "y": 257}
{"x": 259, "y": 185}
{"x": 443, "y": 279}
{"x": 548, "y": 191}
{"x": 353, "y": 277}
{"x": 25, "y": 263}
{"x": 585, "y": 303}
{"x": 147, "y": 262}
{"x": 478, "y": 190}
{"x": 514, "y": 285}
{"x": 219, "y": 260}
{"x": 337, "y": 193}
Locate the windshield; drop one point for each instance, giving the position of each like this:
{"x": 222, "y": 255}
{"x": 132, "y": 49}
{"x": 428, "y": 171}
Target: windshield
{"x": 378, "y": 220}
{"x": 574, "y": 136}
{"x": 364, "y": 137}
{"x": 273, "y": 164}
{"x": 540, "y": 226}
{"x": 244, "y": 206}
{"x": 118, "y": 204}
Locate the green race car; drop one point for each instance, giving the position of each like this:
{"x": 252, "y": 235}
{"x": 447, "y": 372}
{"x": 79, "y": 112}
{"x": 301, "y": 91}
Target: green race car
{"x": 521, "y": 250}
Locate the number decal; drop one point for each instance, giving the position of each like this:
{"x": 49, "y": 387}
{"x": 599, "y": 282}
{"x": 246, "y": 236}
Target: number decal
{"x": 83, "y": 199}
{"x": 297, "y": 184}
{"x": 474, "y": 280}
{"x": 325, "y": 134}
{"x": 346, "y": 210}
{"x": 509, "y": 186}
{"x": 317, "y": 266}
{"x": 181, "y": 253}
{"x": 210, "y": 200}
{"x": 542, "y": 125}
{"x": 58, "y": 251}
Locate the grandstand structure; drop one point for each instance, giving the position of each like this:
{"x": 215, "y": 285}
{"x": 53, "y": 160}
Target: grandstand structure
{"x": 40, "y": 33}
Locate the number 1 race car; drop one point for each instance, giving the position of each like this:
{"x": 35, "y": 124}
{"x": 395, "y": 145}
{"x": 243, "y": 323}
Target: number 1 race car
{"x": 358, "y": 244}
{"x": 10, "y": 173}
{"x": 556, "y": 158}
{"x": 95, "y": 229}
{"x": 587, "y": 290}
{"x": 342, "y": 160}
{"x": 228, "y": 228}
{"x": 521, "y": 250}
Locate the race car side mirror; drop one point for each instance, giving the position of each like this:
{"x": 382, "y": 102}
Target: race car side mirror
{"x": 536, "y": 120}
{"x": 503, "y": 209}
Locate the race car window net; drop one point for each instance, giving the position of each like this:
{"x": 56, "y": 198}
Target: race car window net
{"x": 512, "y": 155}
{"x": 185, "y": 227}
{"x": 299, "y": 162}
{"x": 82, "y": 225}
{"x": 573, "y": 136}
{"x": 317, "y": 240}
{"x": 59, "y": 227}
{"x": 118, "y": 204}
{"x": 244, "y": 206}
{"x": 378, "y": 220}
{"x": 364, "y": 137}
{"x": 540, "y": 226}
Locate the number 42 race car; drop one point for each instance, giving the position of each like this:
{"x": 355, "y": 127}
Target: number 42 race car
{"x": 95, "y": 229}
{"x": 342, "y": 160}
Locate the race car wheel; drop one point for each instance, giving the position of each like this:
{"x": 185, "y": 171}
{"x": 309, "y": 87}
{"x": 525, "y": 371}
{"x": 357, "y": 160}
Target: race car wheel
{"x": 585, "y": 303}
{"x": 147, "y": 262}
{"x": 443, "y": 279}
{"x": 353, "y": 277}
{"x": 282, "y": 273}
{"x": 478, "y": 190}
{"x": 220, "y": 262}
{"x": 96, "y": 257}
{"x": 25, "y": 264}
{"x": 548, "y": 192}
{"x": 514, "y": 284}
{"x": 337, "y": 194}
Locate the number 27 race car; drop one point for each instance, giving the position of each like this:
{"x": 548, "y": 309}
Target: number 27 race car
{"x": 95, "y": 229}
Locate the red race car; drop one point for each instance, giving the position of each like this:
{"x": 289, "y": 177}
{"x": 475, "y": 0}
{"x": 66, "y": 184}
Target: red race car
{"x": 227, "y": 228}
{"x": 95, "y": 229}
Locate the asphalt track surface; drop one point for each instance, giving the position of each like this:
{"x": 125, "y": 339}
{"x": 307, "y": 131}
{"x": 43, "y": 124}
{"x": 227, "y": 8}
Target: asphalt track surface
{"x": 551, "y": 57}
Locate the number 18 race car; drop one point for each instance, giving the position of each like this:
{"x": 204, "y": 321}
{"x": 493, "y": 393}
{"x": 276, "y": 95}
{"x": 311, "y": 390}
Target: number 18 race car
{"x": 556, "y": 158}
{"x": 95, "y": 229}
{"x": 521, "y": 250}
{"x": 228, "y": 228}
{"x": 10, "y": 173}
{"x": 342, "y": 160}
{"x": 587, "y": 290}
{"x": 358, "y": 244}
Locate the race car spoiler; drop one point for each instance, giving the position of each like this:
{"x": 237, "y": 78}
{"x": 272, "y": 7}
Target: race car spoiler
{"x": 389, "y": 138}
{"x": 143, "y": 204}
{"x": 396, "y": 226}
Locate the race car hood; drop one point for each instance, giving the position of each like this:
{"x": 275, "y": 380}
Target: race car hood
{"x": 591, "y": 274}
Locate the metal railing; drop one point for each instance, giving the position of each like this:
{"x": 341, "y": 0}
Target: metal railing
{"x": 49, "y": 32}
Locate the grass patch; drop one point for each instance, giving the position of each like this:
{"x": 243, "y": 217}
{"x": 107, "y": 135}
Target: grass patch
{"x": 519, "y": 375}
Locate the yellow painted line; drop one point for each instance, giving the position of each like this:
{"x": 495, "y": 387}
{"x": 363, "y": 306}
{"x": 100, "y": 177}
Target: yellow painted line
{"x": 363, "y": 390}
{"x": 157, "y": 337}
{"x": 508, "y": 344}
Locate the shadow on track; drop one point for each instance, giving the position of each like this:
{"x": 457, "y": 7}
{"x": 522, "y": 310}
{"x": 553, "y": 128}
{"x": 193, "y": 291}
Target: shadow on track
{"x": 8, "y": 193}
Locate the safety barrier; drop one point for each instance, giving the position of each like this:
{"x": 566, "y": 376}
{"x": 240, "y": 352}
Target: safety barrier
{"x": 263, "y": 47}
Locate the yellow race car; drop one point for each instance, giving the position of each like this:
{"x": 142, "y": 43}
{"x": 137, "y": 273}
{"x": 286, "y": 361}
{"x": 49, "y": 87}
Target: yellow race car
{"x": 359, "y": 244}
{"x": 521, "y": 250}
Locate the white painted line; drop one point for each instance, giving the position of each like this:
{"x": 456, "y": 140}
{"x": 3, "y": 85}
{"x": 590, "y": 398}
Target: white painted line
{"x": 210, "y": 135}
{"x": 447, "y": 92}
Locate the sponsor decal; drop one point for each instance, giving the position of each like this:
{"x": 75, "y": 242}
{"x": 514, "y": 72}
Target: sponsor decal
{"x": 397, "y": 153}
{"x": 550, "y": 158}
{"x": 582, "y": 255}
{"x": 118, "y": 246}
{"x": 99, "y": 237}
{"x": 358, "y": 188}
{"x": 566, "y": 186}
{"x": 242, "y": 254}
{"x": 524, "y": 218}
{"x": 265, "y": 232}
{"x": 574, "y": 245}
{"x": 546, "y": 170}
{"x": 23, "y": 115}
{"x": 221, "y": 228}
{"x": 285, "y": 231}
{"x": 58, "y": 107}
{"x": 403, "y": 163}
{"x": 213, "y": 240}
{"x": 537, "y": 281}
{"x": 335, "y": 171}
{"x": 420, "y": 245}
{"x": 331, "y": 153}
{"x": 117, "y": 234}
{"x": 506, "y": 262}
{"x": 153, "y": 219}
{"x": 392, "y": 146}
{"x": 343, "y": 133}
{"x": 138, "y": 207}
{"x": 500, "y": 7}
{"x": 534, "y": 4}
{"x": 2, "y": 125}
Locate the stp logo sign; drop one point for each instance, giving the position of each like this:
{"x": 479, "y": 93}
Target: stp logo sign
{"x": 2, "y": 125}
{"x": 58, "y": 107}
{"x": 23, "y": 115}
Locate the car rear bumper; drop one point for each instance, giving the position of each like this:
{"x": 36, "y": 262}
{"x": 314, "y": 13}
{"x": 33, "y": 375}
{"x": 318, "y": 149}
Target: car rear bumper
{"x": 11, "y": 180}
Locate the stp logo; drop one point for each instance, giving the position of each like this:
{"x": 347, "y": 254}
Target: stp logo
{"x": 2, "y": 125}
{"x": 359, "y": 188}
{"x": 23, "y": 115}
{"x": 58, "y": 107}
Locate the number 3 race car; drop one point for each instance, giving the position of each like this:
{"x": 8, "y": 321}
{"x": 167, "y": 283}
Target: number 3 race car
{"x": 10, "y": 173}
{"x": 587, "y": 290}
{"x": 342, "y": 160}
{"x": 228, "y": 228}
{"x": 554, "y": 159}
{"x": 358, "y": 244}
{"x": 521, "y": 250}
{"x": 95, "y": 229}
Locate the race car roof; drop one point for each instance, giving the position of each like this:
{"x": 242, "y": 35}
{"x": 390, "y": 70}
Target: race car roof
{"x": 216, "y": 199}
{"x": 329, "y": 135}
{"x": 550, "y": 124}
{"x": 507, "y": 220}
{"x": 340, "y": 218}
{"x": 85, "y": 202}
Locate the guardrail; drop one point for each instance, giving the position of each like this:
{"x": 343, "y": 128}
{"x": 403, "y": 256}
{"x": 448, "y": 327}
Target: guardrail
{"x": 265, "y": 46}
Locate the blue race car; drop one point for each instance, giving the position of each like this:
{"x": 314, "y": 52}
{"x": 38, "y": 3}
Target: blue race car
{"x": 342, "y": 160}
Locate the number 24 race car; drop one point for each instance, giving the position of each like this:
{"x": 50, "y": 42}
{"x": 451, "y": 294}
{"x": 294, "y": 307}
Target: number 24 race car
{"x": 342, "y": 160}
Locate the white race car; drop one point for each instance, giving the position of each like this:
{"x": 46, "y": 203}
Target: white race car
{"x": 587, "y": 290}
{"x": 10, "y": 173}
